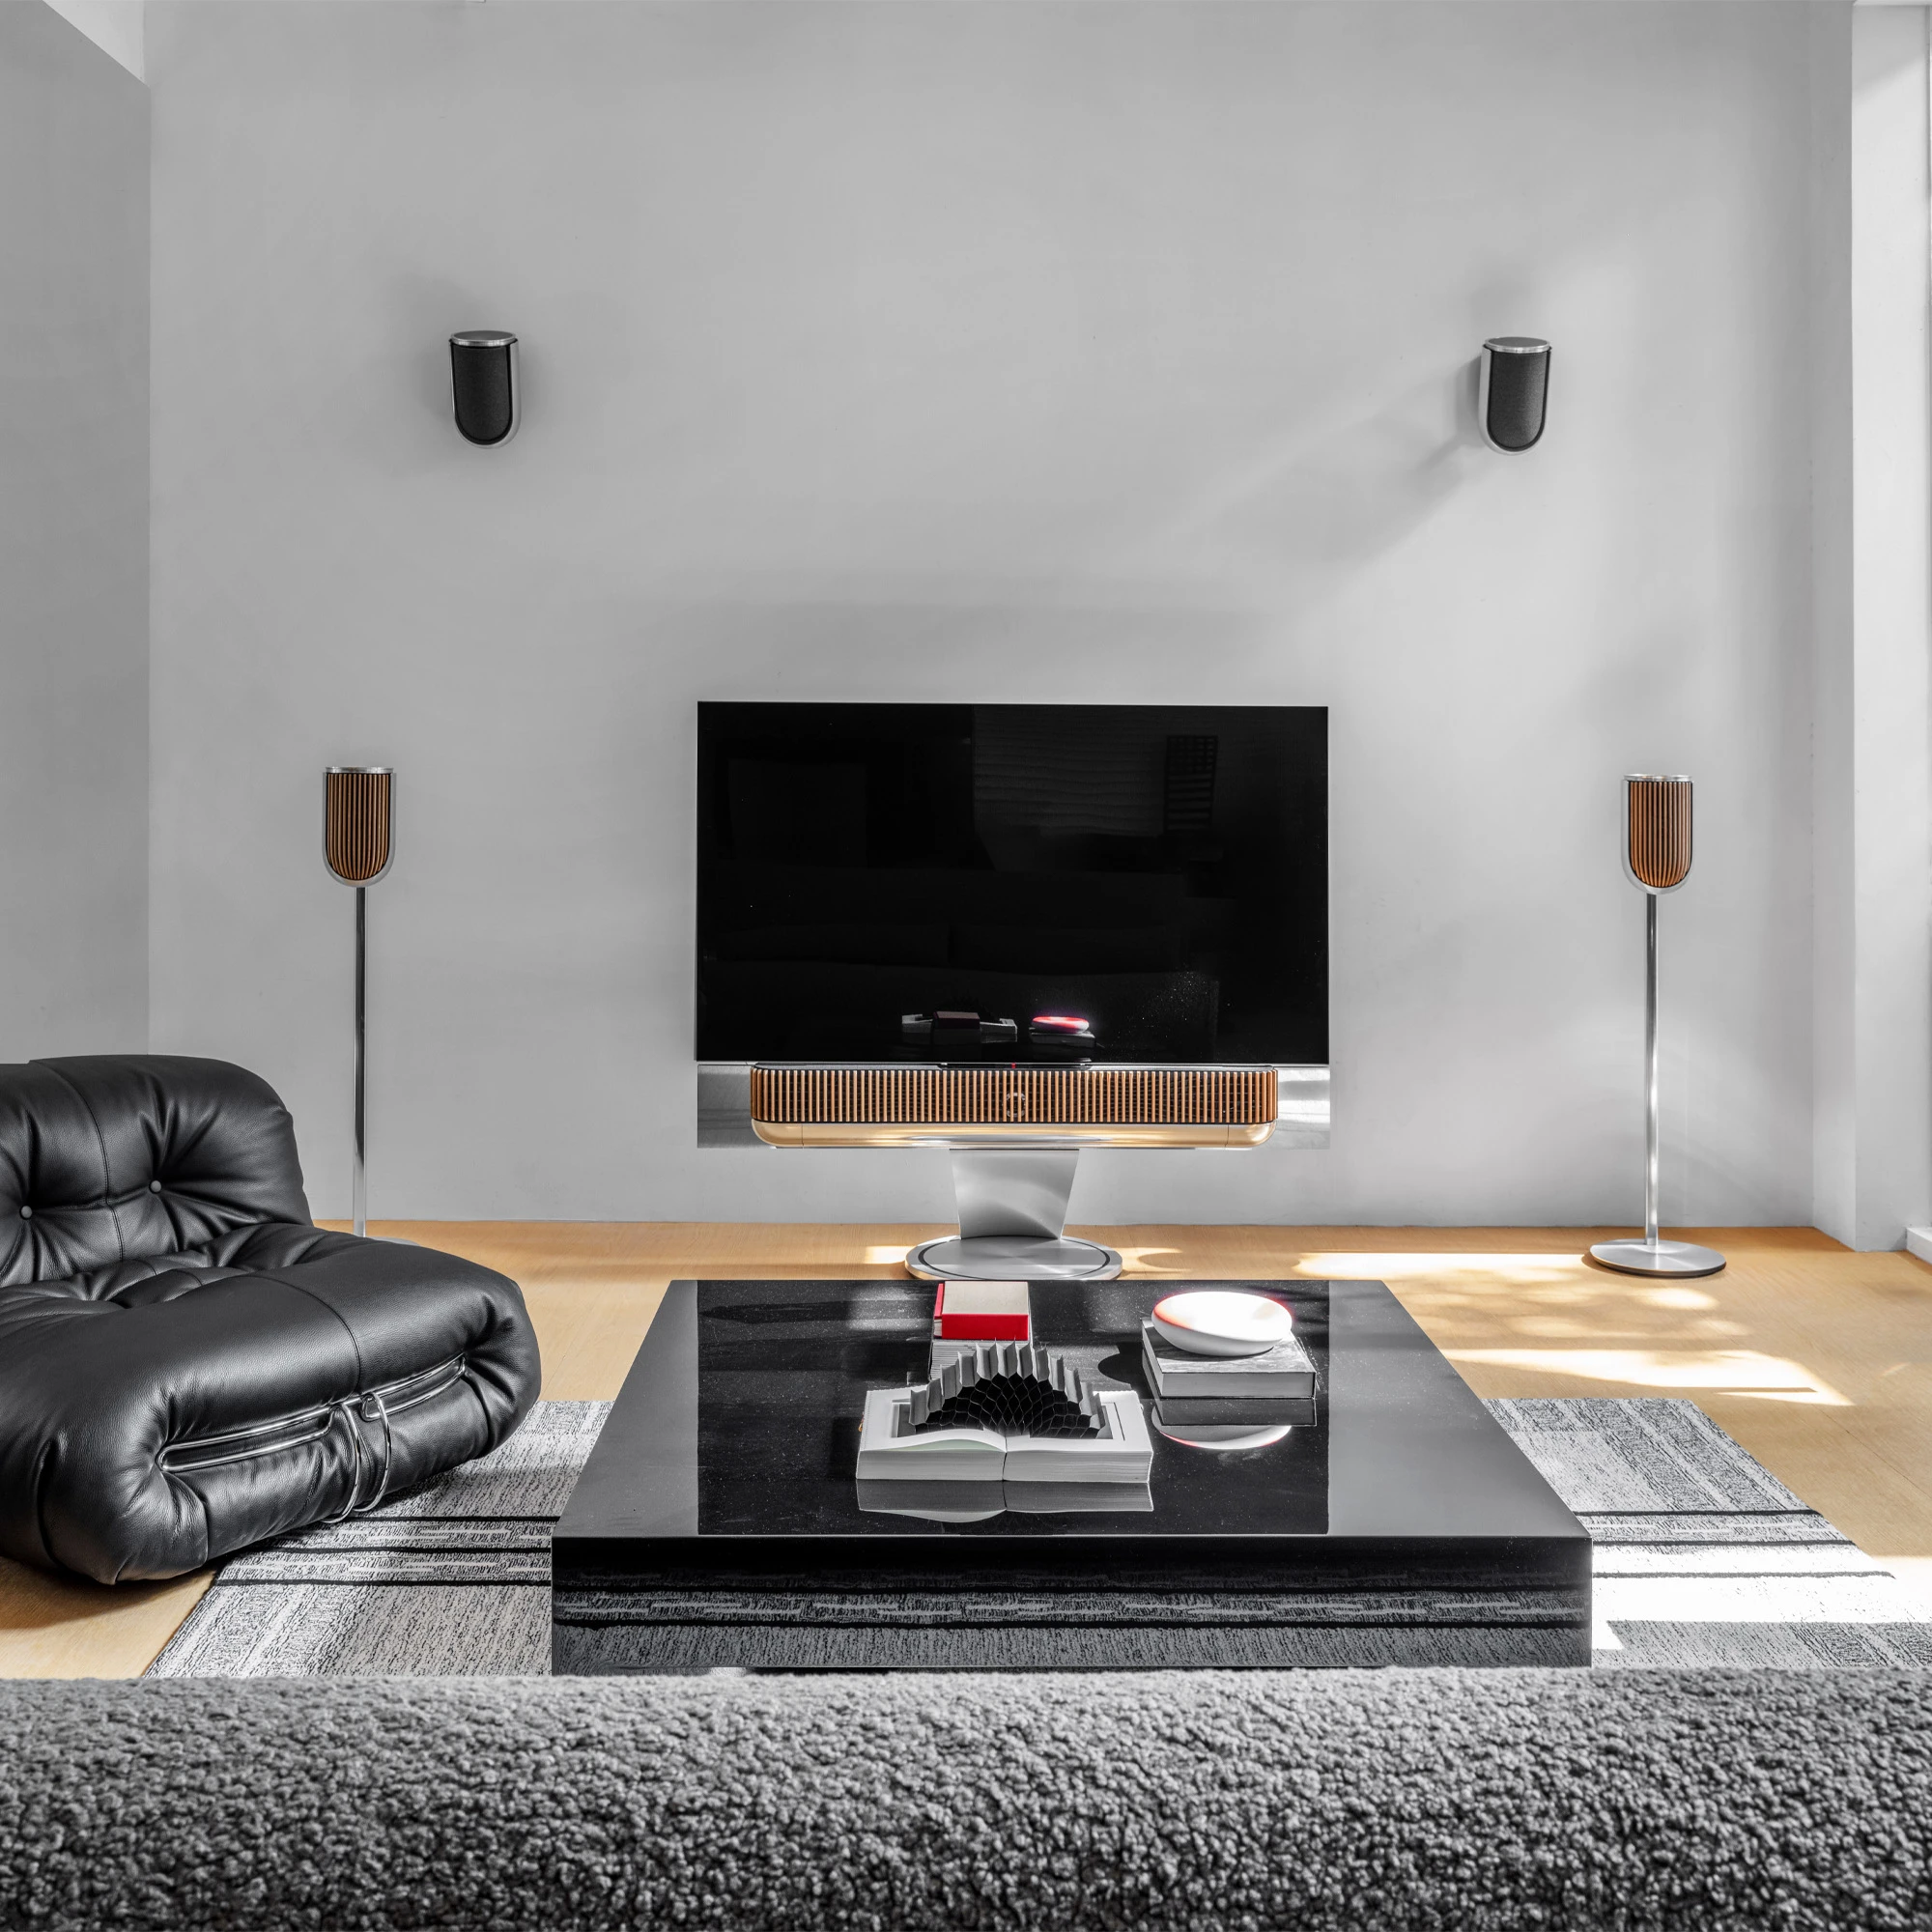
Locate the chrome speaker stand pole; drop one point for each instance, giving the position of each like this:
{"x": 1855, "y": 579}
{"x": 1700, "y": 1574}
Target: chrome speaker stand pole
{"x": 360, "y": 1182}
{"x": 1651, "y": 1069}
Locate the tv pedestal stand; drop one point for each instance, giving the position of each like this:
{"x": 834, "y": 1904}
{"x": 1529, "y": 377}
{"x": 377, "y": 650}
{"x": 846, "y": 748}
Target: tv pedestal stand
{"x": 1012, "y": 1221}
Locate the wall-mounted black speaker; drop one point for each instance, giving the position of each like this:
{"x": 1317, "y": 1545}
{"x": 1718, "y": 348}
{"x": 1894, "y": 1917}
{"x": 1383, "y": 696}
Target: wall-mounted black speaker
{"x": 483, "y": 382}
{"x": 1515, "y": 393}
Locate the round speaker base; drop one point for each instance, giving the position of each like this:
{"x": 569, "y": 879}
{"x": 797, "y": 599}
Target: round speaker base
{"x": 1011, "y": 1258}
{"x": 1677, "y": 1259}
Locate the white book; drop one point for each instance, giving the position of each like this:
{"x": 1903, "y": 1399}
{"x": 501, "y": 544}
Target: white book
{"x": 1276, "y": 1374}
{"x": 980, "y": 1502}
{"x": 889, "y": 1451}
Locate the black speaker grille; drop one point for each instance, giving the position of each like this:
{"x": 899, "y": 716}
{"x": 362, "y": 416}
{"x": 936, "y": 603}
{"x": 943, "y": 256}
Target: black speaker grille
{"x": 1518, "y": 387}
{"x": 485, "y": 400}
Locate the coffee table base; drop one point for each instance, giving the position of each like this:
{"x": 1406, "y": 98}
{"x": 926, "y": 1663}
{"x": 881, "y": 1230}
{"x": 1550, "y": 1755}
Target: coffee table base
{"x": 633, "y": 1650}
{"x": 601, "y": 1632}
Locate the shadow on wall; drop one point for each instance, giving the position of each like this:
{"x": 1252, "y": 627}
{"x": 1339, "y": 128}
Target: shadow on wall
{"x": 1313, "y": 513}
{"x": 906, "y": 637}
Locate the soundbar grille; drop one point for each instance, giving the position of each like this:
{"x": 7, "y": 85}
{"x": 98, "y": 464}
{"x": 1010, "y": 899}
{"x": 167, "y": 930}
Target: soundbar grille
{"x": 1240, "y": 1096}
{"x": 355, "y": 824}
{"x": 1660, "y": 832}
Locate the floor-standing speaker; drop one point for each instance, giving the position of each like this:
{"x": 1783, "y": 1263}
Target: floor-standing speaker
{"x": 358, "y": 842}
{"x": 1657, "y": 860}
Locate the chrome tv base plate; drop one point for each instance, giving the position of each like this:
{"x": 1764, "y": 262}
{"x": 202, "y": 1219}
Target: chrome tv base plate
{"x": 1678, "y": 1259}
{"x": 1011, "y": 1258}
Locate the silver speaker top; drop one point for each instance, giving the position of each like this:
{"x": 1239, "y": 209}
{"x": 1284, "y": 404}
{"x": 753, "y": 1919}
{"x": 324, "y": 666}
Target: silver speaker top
{"x": 1518, "y": 345}
{"x": 483, "y": 338}
{"x": 1655, "y": 778}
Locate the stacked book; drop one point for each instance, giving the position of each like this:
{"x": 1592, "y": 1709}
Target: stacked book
{"x": 1274, "y": 1387}
{"x": 999, "y": 1408}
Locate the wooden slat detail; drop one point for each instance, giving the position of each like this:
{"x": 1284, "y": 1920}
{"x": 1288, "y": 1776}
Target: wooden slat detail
{"x": 1660, "y": 832}
{"x": 1025, "y": 1095}
{"x": 355, "y": 824}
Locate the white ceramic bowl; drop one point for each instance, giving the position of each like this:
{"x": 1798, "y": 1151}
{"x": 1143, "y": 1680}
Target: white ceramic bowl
{"x": 1217, "y": 1321}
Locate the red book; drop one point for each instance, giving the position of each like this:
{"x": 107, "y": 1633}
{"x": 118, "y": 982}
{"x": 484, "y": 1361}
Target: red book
{"x": 982, "y": 1311}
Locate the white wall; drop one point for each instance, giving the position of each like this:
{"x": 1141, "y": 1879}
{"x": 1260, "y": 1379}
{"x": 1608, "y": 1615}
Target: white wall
{"x": 958, "y": 351}
{"x": 74, "y": 543}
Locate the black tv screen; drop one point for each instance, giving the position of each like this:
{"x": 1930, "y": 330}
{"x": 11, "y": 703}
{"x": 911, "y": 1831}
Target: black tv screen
{"x": 1159, "y": 871}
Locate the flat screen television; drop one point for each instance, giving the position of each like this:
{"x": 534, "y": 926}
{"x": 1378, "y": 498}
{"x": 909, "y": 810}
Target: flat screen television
{"x": 1158, "y": 870}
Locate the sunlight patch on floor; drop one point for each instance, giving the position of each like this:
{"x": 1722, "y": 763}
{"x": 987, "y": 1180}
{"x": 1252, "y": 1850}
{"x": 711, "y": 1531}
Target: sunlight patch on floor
{"x": 1914, "y": 1572}
{"x": 1733, "y": 1371}
{"x": 1517, "y": 1267}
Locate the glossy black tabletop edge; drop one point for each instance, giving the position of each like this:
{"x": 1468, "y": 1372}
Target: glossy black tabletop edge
{"x": 1382, "y": 1364}
{"x": 639, "y": 1480}
{"x": 634, "y": 1513}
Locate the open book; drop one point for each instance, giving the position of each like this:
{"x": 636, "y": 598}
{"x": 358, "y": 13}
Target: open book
{"x": 890, "y": 1450}
{"x": 1004, "y": 1412}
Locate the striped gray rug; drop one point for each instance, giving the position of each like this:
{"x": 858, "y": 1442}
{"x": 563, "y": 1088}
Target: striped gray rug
{"x": 451, "y": 1581}
{"x": 1701, "y": 1557}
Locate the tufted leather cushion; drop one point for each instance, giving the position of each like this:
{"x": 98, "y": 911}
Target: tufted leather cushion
{"x": 187, "y": 1364}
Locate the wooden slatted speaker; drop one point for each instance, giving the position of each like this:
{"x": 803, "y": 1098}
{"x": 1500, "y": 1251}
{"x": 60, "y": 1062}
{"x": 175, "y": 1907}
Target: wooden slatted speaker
{"x": 1657, "y": 860}
{"x": 357, "y": 821}
{"x": 1657, "y": 832}
{"x": 358, "y": 843}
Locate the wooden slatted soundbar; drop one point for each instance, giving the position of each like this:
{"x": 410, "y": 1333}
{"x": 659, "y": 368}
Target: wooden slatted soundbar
{"x": 1145, "y": 1106}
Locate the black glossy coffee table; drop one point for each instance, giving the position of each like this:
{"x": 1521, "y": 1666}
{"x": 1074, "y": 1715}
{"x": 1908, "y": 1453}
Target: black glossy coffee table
{"x": 718, "y": 1522}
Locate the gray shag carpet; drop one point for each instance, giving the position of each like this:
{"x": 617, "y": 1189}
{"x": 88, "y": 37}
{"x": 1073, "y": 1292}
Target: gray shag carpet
{"x": 1196, "y": 1801}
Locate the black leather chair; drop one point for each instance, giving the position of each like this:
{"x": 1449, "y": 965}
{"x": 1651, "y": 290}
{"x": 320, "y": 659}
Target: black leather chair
{"x": 187, "y": 1364}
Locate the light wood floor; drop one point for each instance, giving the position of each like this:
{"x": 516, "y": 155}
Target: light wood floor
{"x": 1818, "y": 1360}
